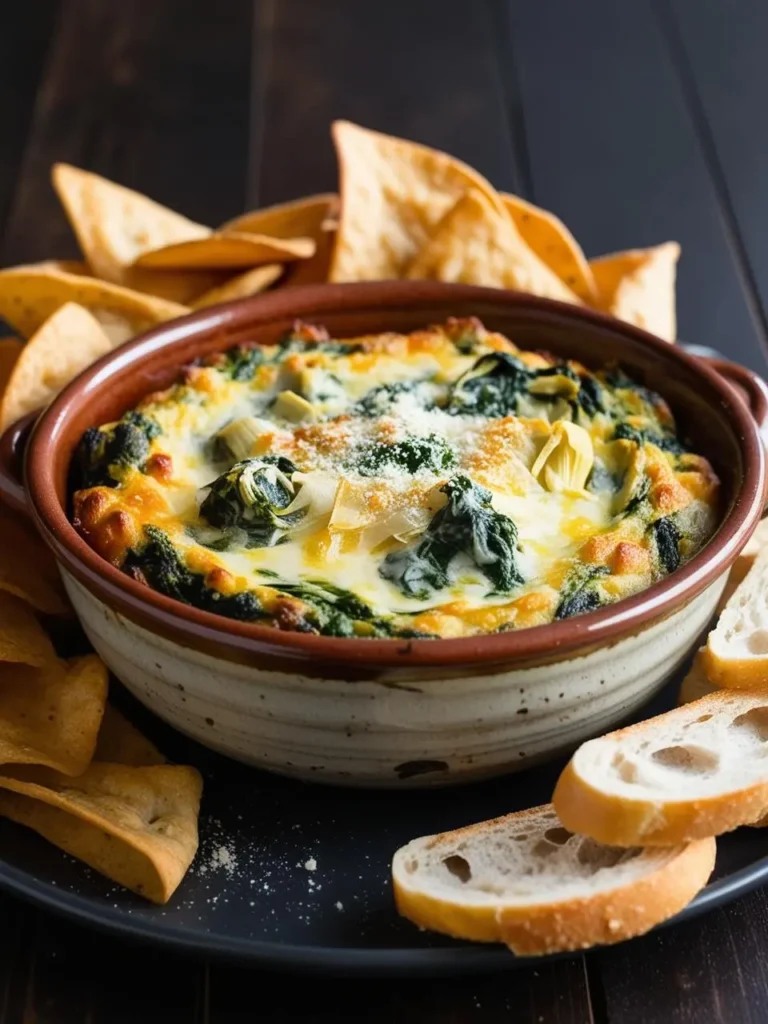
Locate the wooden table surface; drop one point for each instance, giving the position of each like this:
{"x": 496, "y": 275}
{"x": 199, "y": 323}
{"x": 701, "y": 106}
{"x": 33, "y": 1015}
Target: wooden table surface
{"x": 635, "y": 122}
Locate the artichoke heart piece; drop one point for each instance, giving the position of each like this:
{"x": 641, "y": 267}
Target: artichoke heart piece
{"x": 565, "y": 461}
{"x": 239, "y": 437}
{"x": 557, "y": 384}
{"x": 635, "y": 482}
{"x": 292, "y": 407}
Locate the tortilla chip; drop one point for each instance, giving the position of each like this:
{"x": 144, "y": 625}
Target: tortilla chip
{"x": 317, "y": 269}
{"x": 554, "y": 244}
{"x": 27, "y": 567}
{"x": 32, "y": 293}
{"x": 638, "y": 286}
{"x": 66, "y": 344}
{"x": 72, "y": 267}
{"x": 182, "y": 286}
{"x": 115, "y": 225}
{"x": 287, "y": 220}
{"x": 120, "y": 742}
{"x": 250, "y": 283}
{"x": 475, "y": 244}
{"x": 22, "y": 638}
{"x": 137, "y": 826}
{"x": 51, "y": 715}
{"x": 393, "y": 195}
{"x": 10, "y": 349}
{"x": 228, "y": 250}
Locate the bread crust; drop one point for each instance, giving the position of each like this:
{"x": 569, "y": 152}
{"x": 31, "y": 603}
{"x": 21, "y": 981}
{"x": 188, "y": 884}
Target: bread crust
{"x": 623, "y": 820}
{"x": 617, "y": 821}
{"x": 736, "y": 673}
{"x": 613, "y": 916}
{"x": 578, "y": 923}
{"x": 696, "y": 683}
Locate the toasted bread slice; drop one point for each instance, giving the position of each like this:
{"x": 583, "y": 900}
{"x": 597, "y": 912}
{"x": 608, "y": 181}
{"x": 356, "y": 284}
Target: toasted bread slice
{"x": 696, "y": 771}
{"x": 526, "y": 881}
{"x": 744, "y": 562}
{"x": 737, "y": 648}
{"x": 696, "y": 683}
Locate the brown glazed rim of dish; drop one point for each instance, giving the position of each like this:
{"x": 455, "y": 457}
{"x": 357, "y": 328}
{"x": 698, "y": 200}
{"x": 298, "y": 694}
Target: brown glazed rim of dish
{"x": 202, "y": 630}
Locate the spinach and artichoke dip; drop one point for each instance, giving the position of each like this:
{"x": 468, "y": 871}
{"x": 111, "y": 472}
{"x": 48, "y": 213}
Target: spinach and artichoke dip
{"x": 437, "y": 484}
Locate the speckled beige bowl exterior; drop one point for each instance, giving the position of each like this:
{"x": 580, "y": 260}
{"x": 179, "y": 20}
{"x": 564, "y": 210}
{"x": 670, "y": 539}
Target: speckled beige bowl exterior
{"x": 395, "y": 712}
{"x": 369, "y": 732}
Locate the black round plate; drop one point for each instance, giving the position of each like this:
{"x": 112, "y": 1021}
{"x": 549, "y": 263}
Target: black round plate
{"x": 296, "y": 876}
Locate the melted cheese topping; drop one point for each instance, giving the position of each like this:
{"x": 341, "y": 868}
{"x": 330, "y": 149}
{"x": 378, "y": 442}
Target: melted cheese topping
{"x": 317, "y": 405}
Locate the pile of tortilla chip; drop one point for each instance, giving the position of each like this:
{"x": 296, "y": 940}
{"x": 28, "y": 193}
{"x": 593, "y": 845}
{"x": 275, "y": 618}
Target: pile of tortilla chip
{"x": 71, "y": 766}
{"x": 404, "y": 211}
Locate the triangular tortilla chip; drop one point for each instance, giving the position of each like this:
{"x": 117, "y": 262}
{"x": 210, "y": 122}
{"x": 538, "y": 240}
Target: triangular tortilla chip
{"x": 32, "y": 293}
{"x": 120, "y": 742}
{"x": 66, "y": 344}
{"x": 250, "y": 283}
{"x": 115, "y": 225}
{"x": 317, "y": 269}
{"x": 475, "y": 244}
{"x": 393, "y": 194}
{"x": 137, "y": 826}
{"x": 51, "y": 715}
{"x": 554, "y": 244}
{"x": 10, "y": 350}
{"x": 287, "y": 220}
{"x": 27, "y": 567}
{"x": 638, "y": 286}
{"x": 228, "y": 250}
{"x": 22, "y": 638}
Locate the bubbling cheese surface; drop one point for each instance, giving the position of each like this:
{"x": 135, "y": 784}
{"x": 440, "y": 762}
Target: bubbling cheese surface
{"x": 441, "y": 483}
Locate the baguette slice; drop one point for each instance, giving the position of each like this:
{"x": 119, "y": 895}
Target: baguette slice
{"x": 525, "y": 881}
{"x": 696, "y": 683}
{"x": 744, "y": 562}
{"x": 737, "y": 648}
{"x": 699, "y": 770}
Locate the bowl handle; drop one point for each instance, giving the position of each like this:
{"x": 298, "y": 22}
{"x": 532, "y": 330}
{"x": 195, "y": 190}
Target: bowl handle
{"x": 12, "y": 445}
{"x": 752, "y": 389}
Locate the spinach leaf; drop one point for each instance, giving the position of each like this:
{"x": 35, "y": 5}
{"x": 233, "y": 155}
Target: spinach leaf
{"x": 467, "y": 524}
{"x": 159, "y": 564}
{"x": 334, "y": 611}
{"x": 580, "y": 593}
{"x": 242, "y": 362}
{"x": 591, "y": 397}
{"x": 498, "y": 383}
{"x": 492, "y": 387}
{"x": 666, "y": 441}
{"x": 103, "y": 456}
{"x": 380, "y": 399}
{"x": 250, "y": 496}
{"x": 412, "y": 454}
{"x": 667, "y": 538}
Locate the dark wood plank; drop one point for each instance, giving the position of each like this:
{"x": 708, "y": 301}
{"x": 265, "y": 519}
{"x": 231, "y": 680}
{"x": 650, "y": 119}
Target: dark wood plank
{"x": 153, "y": 95}
{"x": 17, "y": 928}
{"x": 65, "y": 974}
{"x": 553, "y": 993}
{"x": 711, "y": 970}
{"x": 614, "y": 151}
{"x": 429, "y": 76}
{"x": 25, "y": 32}
{"x": 719, "y": 50}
